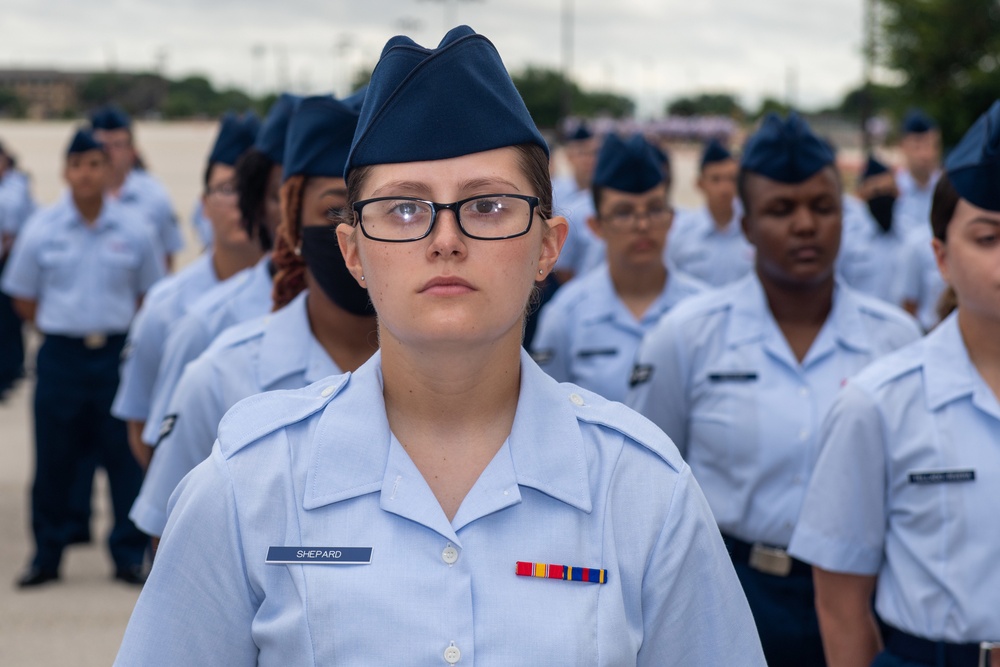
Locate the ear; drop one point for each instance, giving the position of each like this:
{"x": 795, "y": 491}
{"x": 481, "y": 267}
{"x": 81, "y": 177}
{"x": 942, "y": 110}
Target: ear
{"x": 557, "y": 229}
{"x": 940, "y": 249}
{"x": 348, "y": 241}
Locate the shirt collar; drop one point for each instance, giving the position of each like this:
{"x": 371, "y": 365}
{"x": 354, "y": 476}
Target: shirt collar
{"x": 349, "y": 456}
{"x": 752, "y": 319}
{"x": 948, "y": 371}
{"x": 288, "y": 347}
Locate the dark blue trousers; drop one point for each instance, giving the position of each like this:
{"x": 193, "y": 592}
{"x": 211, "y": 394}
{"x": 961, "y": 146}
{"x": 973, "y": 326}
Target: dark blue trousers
{"x": 784, "y": 610}
{"x": 11, "y": 342}
{"x": 73, "y": 422}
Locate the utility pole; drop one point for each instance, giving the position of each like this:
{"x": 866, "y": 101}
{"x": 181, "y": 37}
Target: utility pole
{"x": 868, "y": 68}
{"x": 566, "y": 32}
{"x": 450, "y": 12}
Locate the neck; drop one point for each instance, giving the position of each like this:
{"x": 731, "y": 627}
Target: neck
{"x": 452, "y": 396}
{"x": 721, "y": 212}
{"x": 640, "y": 282}
{"x": 230, "y": 260}
{"x": 89, "y": 207}
{"x": 350, "y": 340}
{"x": 922, "y": 178}
{"x": 116, "y": 181}
{"x": 798, "y": 304}
{"x": 982, "y": 340}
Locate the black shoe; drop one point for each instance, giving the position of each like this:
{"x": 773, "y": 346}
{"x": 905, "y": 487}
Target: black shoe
{"x": 36, "y": 576}
{"x": 132, "y": 574}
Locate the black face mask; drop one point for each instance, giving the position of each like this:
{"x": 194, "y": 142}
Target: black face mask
{"x": 881, "y": 209}
{"x": 323, "y": 258}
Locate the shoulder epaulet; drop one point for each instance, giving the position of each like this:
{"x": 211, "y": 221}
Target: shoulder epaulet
{"x": 593, "y": 408}
{"x": 891, "y": 366}
{"x": 260, "y": 414}
{"x": 241, "y": 333}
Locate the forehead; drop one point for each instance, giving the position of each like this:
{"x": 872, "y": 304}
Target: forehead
{"x": 967, "y": 213}
{"x": 500, "y": 167}
{"x": 221, "y": 172}
{"x": 721, "y": 168}
{"x": 611, "y": 198}
{"x": 94, "y": 155}
{"x": 761, "y": 189}
{"x": 323, "y": 186}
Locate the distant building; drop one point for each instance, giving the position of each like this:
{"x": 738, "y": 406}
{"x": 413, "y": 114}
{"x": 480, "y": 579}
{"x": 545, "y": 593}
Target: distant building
{"x": 45, "y": 93}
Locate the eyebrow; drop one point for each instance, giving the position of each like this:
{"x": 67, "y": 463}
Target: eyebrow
{"x": 334, "y": 192}
{"x": 421, "y": 188}
{"x": 985, "y": 221}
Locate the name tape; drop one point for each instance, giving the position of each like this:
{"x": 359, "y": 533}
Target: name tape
{"x": 942, "y": 476}
{"x": 319, "y": 555}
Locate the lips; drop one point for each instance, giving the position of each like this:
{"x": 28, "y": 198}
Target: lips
{"x": 446, "y": 285}
{"x": 807, "y": 253}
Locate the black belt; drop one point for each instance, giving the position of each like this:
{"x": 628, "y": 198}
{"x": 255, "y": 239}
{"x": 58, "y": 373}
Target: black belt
{"x": 766, "y": 559}
{"x": 94, "y": 341}
{"x": 929, "y": 652}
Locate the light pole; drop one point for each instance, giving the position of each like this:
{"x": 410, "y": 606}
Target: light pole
{"x": 566, "y": 33}
{"x": 450, "y": 11}
{"x": 868, "y": 68}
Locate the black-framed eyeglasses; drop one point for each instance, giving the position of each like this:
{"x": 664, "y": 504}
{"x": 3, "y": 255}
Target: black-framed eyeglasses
{"x": 626, "y": 220}
{"x": 228, "y": 189}
{"x": 484, "y": 217}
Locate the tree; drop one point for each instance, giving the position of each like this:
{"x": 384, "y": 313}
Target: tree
{"x": 11, "y": 104}
{"x": 771, "y": 105}
{"x": 542, "y": 90}
{"x": 706, "y": 104}
{"x": 948, "y": 52}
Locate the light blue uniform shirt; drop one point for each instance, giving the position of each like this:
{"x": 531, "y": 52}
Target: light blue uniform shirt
{"x": 582, "y": 250}
{"x": 906, "y": 489}
{"x": 870, "y": 260}
{"x": 16, "y": 203}
{"x": 722, "y": 382}
{"x": 145, "y": 195}
{"x": 85, "y": 278}
{"x": 580, "y": 481}
{"x": 700, "y": 249}
{"x": 277, "y": 351}
{"x": 588, "y": 336}
{"x": 167, "y": 302}
{"x": 914, "y": 201}
{"x": 920, "y": 281}
{"x": 242, "y": 297}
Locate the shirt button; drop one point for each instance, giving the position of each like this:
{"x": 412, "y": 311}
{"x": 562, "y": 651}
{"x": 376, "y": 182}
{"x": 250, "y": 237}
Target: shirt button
{"x": 452, "y": 654}
{"x": 576, "y": 399}
{"x": 803, "y": 435}
{"x": 327, "y": 392}
{"x": 803, "y": 391}
{"x": 449, "y": 555}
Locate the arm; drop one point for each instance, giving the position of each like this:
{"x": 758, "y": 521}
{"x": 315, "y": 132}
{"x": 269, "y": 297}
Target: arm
{"x": 140, "y": 450}
{"x": 846, "y": 621}
{"x": 25, "y": 309}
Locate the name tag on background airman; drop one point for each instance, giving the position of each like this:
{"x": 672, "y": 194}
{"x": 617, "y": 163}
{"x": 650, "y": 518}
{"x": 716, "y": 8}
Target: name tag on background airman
{"x": 602, "y": 352}
{"x": 942, "y": 476}
{"x": 319, "y": 555}
{"x": 733, "y": 376}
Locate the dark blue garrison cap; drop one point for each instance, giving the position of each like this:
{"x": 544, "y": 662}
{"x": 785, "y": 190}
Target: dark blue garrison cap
{"x": 714, "y": 152}
{"x": 873, "y": 168}
{"x": 973, "y": 167}
{"x": 433, "y": 104}
{"x": 319, "y": 137}
{"x": 271, "y": 138}
{"x": 786, "y": 151}
{"x": 917, "y": 122}
{"x": 236, "y": 136}
{"x": 83, "y": 141}
{"x": 581, "y": 133}
{"x": 110, "y": 118}
{"x": 629, "y": 166}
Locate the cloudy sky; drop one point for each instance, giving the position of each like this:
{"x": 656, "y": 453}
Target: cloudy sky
{"x": 650, "y": 50}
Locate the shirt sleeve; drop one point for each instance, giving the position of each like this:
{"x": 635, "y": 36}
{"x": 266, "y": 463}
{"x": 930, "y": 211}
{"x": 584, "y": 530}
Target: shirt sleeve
{"x": 551, "y": 346}
{"x": 659, "y": 382}
{"x": 150, "y": 267}
{"x": 841, "y": 527}
{"x": 198, "y": 607}
{"x": 693, "y": 607}
{"x": 184, "y": 344}
{"x": 186, "y": 438}
{"x": 22, "y": 276}
{"x": 908, "y": 284}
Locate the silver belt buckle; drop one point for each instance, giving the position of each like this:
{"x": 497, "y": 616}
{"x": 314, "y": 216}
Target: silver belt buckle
{"x": 770, "y": 560}
{"x": 95, "y": 341}
{"x": 986, "y": 653}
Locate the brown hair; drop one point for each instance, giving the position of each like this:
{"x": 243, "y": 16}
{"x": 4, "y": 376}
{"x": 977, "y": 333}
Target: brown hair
{"x": 290, "y": 268}
{"x": 943, "y": 207}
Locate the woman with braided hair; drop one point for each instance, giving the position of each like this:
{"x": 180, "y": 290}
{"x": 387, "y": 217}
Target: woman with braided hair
{"x": 323, "y": 323}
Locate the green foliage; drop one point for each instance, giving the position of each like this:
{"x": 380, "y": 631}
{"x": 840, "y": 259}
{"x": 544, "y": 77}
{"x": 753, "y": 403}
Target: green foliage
{"x": 11, "y": 105}
{"x": 361, "y": 77}
{"x": 542, "y": 90}
{"x": 949, "y": 54}
{"x": 879, "y": 99}
{"x": 707, "y": 104}
{"x": 771, "y": 105}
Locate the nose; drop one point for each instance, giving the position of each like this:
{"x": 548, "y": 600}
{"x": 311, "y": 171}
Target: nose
{"x": 446, "y": 238}
{"x": 803, "y": 221}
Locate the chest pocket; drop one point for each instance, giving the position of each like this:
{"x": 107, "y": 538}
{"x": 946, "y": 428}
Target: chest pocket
{"x": 119, "y": 263}
{"x": 58, "y": 263}
{"x": 723, "y": 423}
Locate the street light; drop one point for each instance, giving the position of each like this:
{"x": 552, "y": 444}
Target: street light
{"x": 450, "y": 11}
